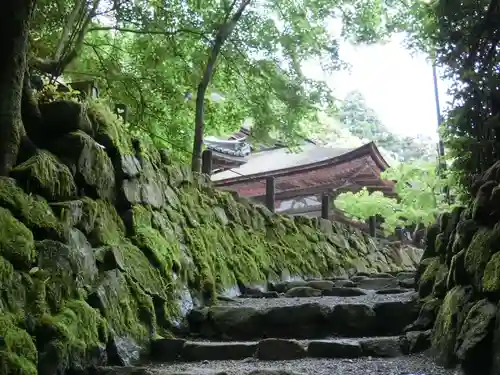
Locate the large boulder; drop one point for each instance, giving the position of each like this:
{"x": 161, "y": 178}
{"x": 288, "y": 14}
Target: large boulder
{"x": 449, "y": 321}
{"x": 91, "y": 166}
{"x": 45, "y": 175}
{"x": 473, "y": 344}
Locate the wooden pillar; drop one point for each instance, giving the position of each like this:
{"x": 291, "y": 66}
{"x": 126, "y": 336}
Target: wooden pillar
{"x": 325, "y": 206}
{"x": 270, "y": 193}
{"x": 206, "y": 162}
{"x": 372, "y": 222}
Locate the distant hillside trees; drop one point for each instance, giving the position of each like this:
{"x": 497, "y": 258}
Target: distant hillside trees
{"x": 363, "y": 122}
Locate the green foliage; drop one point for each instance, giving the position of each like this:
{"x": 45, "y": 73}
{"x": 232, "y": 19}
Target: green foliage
{"x": 463, "y": 40}
{"x": 50, "y": 93}
{"x": 420, "y": 197}
{"x": 151, "y": 56}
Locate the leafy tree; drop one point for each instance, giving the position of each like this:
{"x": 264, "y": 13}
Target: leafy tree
{"x": 158, "y": 58}
{"x": 464, "y": 40}
{"x": 420, "y": 197}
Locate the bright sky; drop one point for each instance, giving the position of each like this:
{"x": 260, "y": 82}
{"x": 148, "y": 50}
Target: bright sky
{"x": 397, "y": 85}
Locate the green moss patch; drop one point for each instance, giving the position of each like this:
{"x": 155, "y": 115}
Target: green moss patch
{"x": 491, "y": 277}
{"x": 33, "y": 211}
{"x": 484, "y": 243}
{"x": 426, "y": 283}
{"x": 16, "y": 241}
{"x": 101, "y": 223}
{"x": 109, "y": 128}
{"x": 91, "y": 164}
{"x": 18, "y": 355}
{"x": 43, "y": 174}
{"x": 446, "y": 327}
{"x": 75, "y": 333}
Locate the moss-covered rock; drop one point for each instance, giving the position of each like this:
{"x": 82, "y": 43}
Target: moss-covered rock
{"x": 491, "y": 276}
{"x": 109, "y": 129}
{"x": 457, "y": 274}
{"x": 430, "y": 241}
{"x": 91, "y": 166}
{"x": 33, "y": 211}
{"x": 464, "y": 233}
{"x": 484, "y": 244}
{"x": 43, "y": 174}
{"x": 481, "y": 209}
{"x": 16, "y": 241}
{"x": 62, "y": 117}
{"x": 73, "y": 338}
{"x": 18, "y": 354}
{"x": 101, "y": 223}
{"x": 427, "y": 315}
{"x": 71, "y": 269}
{"x": 472, "y": 346}
{"x": 448, "y": 324}
{"x": 440, "y": 284}
{"x": 119, "y": 299}
{"x": 429, "y": 269}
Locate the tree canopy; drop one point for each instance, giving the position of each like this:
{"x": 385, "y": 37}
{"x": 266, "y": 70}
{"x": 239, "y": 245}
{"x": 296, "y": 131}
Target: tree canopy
{"x": 153, "y": 55}
{"x": 464, "y": 40}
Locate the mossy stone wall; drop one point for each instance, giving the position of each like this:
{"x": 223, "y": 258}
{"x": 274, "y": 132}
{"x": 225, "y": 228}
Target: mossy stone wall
{"x": 104, "y": 242}
{"x": 459, "y": 282}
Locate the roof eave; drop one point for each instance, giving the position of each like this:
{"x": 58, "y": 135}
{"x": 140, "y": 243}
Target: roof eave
{"x": 367, "y": 149}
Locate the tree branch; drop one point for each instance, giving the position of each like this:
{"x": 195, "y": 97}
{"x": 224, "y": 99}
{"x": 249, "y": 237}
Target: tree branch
{"x": 69, "y": 45}
{"x": 68, "y": 27}
{"x": 139, "y": 31}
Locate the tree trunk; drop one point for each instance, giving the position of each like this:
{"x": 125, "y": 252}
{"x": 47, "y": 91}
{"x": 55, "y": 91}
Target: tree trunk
{"x": 14, "y": 18}
{"x": 223, "y": 33}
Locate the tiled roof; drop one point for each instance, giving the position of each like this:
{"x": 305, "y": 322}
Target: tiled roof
{"x": 282, "y": 158}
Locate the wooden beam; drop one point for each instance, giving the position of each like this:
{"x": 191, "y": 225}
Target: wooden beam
{"x": 325, "y": 206}
{"x": 304, "y": 192}
{"x": 270, "y": 194}
{"x": 206, "y": 162}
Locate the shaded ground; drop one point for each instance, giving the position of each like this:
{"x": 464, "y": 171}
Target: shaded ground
{"x": 409, "y": 365}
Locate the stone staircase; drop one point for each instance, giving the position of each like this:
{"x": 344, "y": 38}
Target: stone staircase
{"x": 339, "y": 326}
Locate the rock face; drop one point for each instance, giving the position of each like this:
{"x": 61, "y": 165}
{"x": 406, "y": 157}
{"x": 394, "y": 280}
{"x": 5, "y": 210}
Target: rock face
{"x": 105, "y": 245}
{"x": 459, "y": 282}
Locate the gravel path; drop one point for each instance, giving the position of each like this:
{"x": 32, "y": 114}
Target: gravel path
{"x": 410, "y": 365}
{"x": 369, "y": 299}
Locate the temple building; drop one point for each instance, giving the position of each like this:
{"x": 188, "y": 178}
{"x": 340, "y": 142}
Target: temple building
{"x": 301, "y": 178}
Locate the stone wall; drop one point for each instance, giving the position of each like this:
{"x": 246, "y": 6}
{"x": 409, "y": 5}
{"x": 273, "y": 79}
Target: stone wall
{"x": 459, "y": 282}
{"x": 104, "y": 244}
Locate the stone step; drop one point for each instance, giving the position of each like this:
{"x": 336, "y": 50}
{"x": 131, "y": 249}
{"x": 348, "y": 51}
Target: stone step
{"x": 397, "y": 287}
{"x": 167, "y": 350}
{"x": 361, "y": 280}
{"x": 375, "y": 315}
{"x": 419, "y": 364}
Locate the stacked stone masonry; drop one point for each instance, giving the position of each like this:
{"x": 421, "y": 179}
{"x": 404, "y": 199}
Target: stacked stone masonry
{"x": 459, "y": 282}
{"x": 105, "y": 245}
